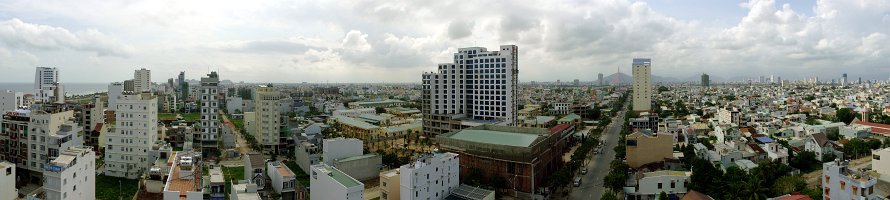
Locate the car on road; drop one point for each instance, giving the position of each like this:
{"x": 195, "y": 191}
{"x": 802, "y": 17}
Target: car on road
{"x": 584, "y": 171}
{"x": 577, "y": 182}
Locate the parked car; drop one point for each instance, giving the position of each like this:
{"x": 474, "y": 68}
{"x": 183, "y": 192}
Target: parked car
{"x": 577, "y": 181}
{"x": 584, "y": 171}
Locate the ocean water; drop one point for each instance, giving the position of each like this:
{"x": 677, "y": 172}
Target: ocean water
{"x": 70, "y": 88}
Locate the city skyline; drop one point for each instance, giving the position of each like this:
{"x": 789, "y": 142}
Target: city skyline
{"x": 296, "y": 41}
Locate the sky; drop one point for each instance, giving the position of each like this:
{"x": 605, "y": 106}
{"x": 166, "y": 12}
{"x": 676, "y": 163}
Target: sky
{"x": 396, "y": 41}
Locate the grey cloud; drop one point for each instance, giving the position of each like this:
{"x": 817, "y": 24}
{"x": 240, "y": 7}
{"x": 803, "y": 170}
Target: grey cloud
{"x": 22, "y": 35}
{"x": 266, "y": 46}
{"x": 458, "y": 29}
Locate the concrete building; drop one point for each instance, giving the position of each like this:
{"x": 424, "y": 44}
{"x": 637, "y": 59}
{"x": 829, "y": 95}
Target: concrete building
{"x": 329, "y": 183}
{"x": 115, "y": 90}
{"x": 142, "y": 80}
{"x": 9, "y": 100}
{"x": 479, "y": 85}
{"x": 642, "y": 85}
{"x": 210, "y": 125}
{"x": 244, "y": 190}
{"x": 217, "y": 184}
{"x": 267, "y": 118}
{"x": 389, "y": 185}
{"x": 645, "y": 147}
{"x": 92, "y": 116}
{"x": 52, "y": 131}
{"x": 307, "y": 154}
{"x": 71, "y": 175}
{"x": 841, "y": 182}
{"x": 881, "y": 161}
{"x": 135, "y": 131}
{"x": 7, "y": 181}
{"x": 283, "y": 180}
{"x": 184, "y": 180}
{"x": 255, "y": 169}
{"x": 361, "y": 167}
{"x": 651, "y": 184}
{"x": 15, "y": 139}
{"x": 430, "y": 177}
{"x": 339, "y": 148}
{"x": 705, "y": 80}
{"x": 599, "y": 79}
{"x": 45, "y": 81}
{"x": 353, "y": 112}
{"x": 386, "y": 103}
{"x": 527, "y": 155}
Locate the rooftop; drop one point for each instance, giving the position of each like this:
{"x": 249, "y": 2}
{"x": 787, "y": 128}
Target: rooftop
{"x": 403, "y": 127}
{"x": 283, "y": 170}
{"x": 370, "y": 155}
{"x": 345, "y": 180}
{"x": 496, "y": 137}
{"x": 353, "y": 122}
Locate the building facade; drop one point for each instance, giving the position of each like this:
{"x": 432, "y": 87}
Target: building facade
{"x": 71, "y": 175}
{"x": 210, "y": 125}
{"x": 142, "y": 80}
{"x": 7, "y": 181}
{"x": 705, "y": 80}
{"x": 135, "y": 131}
{"x": 45, "y": 82}
{"x": 841, "y": 182}
{"x": 478, "y": 85}
{"x": 9, "y": 100}
{"x": 329, "y": 183}
{"x": 267, "y": 118}
{"x": 642, "y": 84}
{"x": 430, "y": 177}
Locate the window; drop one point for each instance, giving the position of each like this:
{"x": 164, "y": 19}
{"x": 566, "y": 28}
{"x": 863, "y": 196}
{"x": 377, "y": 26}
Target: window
{"x": 659, "y": 185}
{"x": 673, "y": 184}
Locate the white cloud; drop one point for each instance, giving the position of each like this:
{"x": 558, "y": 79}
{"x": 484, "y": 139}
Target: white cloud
{"x": 290, "y": 41}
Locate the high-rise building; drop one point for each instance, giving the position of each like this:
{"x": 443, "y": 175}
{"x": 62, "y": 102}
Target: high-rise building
{"x": 45, "y": 82}
{"x": 142, "y": 80}
{"x": 115, "y": 90}
{"x": 576, "y": 82}
{"x": 642, "y": 85}
{"x": 480, "y": 85}
{"x": 134, "y": 134}
{"x": 61, "y": 179}
{"x": 267, "y": 101}
{"x": 130, "y": 86}
{"x": 705, "y": 80}
{"x": 210, "y": 126}
{"x": 600, "y": 79}
{"x": 844, "y": 79}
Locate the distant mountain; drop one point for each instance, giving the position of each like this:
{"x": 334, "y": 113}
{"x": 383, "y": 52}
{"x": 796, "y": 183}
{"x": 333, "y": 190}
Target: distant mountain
{"x": 621, "y": 76}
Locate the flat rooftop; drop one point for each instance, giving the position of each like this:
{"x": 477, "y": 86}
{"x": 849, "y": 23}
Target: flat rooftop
{"x": 283, "y": 170}
{"x": 345, "y": 180}
{"x": 496, "y": 137}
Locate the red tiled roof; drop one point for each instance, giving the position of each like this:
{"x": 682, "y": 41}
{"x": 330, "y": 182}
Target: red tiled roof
{"x": 560, "y": 128}
{"x": 876, "y": 128}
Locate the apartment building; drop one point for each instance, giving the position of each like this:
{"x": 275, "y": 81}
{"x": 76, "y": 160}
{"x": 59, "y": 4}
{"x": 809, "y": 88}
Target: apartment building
{"x": 9, "y": 100}
{"x": 390, "y": 188}
{"x": 142, "y": 80}
{"x": 210, "y": 125}
{"x": 46, "y": 80}
{"x": 430, "y": 177}
{"x": 267, "y": 119}
{"x": 135, "y": 131}
{"x": 14, "y": 138}
{"x": 642, "y": 84}
{"x": 645, "y": 147}
{"x": 184, "y": 180}
{"x": 71, "y": 175}
{"x": 115, "y": 90}
{"x": 479, "y": 85}
{"x": 329, "y": 183}
{"x": 92, "y": 116}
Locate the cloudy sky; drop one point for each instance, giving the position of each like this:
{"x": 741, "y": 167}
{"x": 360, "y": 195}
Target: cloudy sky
{"x": 395, "y": 41}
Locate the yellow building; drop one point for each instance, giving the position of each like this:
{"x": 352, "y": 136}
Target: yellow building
{"x": 267, "y": 118}
{"x": 646, "y": 147}
{"x": 389, "y": 185}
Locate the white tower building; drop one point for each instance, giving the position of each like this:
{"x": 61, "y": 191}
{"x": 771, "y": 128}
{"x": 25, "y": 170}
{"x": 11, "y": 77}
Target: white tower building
{"x": 45, "y": 81}
{"x": 210, "y": 126}
{"x": 135, "y": 132}
{"x": 142, "y": 80}
{"x": 71, "y": 175}
{"x": 642, "y": 74}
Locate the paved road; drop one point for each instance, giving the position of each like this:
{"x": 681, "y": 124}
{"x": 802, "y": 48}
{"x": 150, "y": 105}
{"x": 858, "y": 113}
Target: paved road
{"x": 242, "y": 146}
{"x": 592, "y": 183}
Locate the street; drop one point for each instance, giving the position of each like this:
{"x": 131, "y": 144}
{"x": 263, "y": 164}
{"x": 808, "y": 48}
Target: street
{"x": 592, "y": 183}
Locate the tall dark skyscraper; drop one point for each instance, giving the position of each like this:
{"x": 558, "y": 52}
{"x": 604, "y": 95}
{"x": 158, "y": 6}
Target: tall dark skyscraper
{"x": 600, "y": 79}
{"x": 705, "y": 80}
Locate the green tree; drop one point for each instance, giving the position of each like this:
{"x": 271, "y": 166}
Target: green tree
{"x": 663, "y": 196}
{"x": 845, "y": 115}
{"x": 805, "y": 161}
{"x": 788, "y": 184}
{"x": 608, "y": 196}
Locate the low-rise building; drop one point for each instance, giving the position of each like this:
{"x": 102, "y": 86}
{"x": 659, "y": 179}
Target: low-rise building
{"x": 841, "y": 182}
{"x": 244, "y": 190}
{"x": 361, "y": 167}
{"x": 329, "y": 183}
{"x": 651, "y": 184}
{"x": 255, "y": 169}
{"x": 529, "y": 155}
{"x": 184, "y": 178}
{"x": 307, "y": 154}
{"x": 644, "y": 147}
{"x": 389, "y": 185}
{"x": 71, "y": 175}
{"x": 430, "y": 177}
{"x": 217, "y": 184}
{"x": 7, "y": 181}
{"x": 284, "y": 181}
